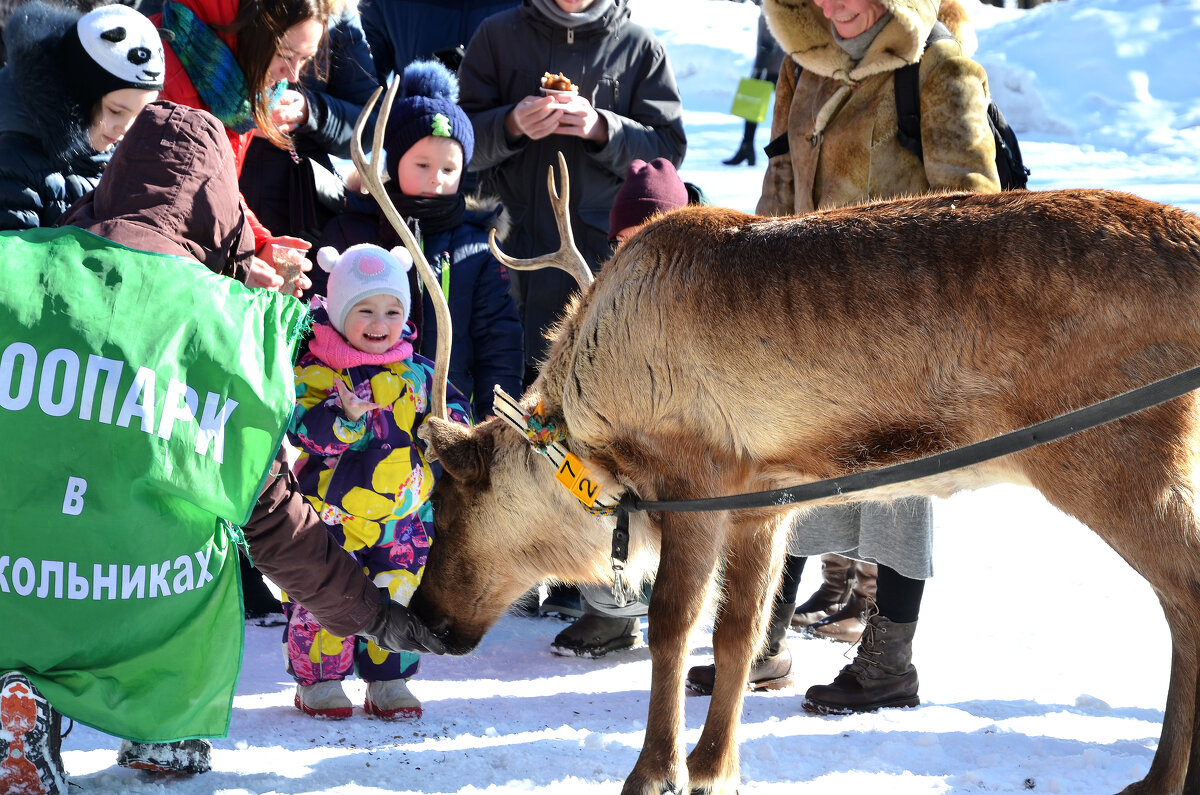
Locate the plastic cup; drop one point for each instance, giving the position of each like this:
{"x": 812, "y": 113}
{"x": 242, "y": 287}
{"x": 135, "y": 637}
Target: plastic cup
{"x": 289, "y": 261}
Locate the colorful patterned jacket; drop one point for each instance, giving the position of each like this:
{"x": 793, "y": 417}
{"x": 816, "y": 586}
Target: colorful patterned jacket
{"x": 368, "y": 477}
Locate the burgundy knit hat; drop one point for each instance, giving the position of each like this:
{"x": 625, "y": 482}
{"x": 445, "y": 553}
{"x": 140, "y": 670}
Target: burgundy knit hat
{"x": 649, "y": 188}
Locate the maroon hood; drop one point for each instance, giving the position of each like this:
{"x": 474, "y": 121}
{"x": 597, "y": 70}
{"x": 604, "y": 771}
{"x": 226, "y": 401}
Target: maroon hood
{"x": 171, "y": 187}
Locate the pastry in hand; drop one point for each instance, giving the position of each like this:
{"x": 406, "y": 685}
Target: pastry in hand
{"x": 558, "y": 84}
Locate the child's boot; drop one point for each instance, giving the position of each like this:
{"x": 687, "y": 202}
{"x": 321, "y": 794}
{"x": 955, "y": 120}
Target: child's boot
{"x": 324, "y": 700}
{"x": 391, "y": 700}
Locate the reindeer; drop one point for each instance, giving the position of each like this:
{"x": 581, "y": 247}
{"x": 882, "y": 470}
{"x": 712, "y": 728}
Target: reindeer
{"x": 722, "y": 353}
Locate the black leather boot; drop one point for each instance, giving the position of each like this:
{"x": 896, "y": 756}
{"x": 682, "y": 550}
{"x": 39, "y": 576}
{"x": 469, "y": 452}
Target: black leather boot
{"x": 881, "y": 675}
{"x": 745, "y": 152}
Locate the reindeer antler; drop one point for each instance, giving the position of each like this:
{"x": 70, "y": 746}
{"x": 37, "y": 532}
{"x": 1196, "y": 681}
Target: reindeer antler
{"x": 567, "y": 257}
{"x": 372, "y": 176}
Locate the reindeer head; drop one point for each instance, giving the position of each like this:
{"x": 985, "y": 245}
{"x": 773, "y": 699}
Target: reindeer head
{"x": 501, "y": 523}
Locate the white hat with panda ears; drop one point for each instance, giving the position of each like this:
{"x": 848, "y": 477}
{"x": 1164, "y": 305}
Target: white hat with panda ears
{"x": 360, "y": 272}
{"x": 110, "y": 48}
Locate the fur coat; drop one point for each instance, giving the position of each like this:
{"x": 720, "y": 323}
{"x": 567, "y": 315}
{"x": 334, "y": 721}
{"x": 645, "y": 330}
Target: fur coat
{"x": 840, "y": 116}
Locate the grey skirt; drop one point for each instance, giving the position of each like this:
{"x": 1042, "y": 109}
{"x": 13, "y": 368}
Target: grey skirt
{"x": 897, "y": 534}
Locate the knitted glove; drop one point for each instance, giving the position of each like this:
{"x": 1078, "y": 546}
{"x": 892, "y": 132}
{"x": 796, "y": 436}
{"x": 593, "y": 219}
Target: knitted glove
{"x": 395, "y": 629}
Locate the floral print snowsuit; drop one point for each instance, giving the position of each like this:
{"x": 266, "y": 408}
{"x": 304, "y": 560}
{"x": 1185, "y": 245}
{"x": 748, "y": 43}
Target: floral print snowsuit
{"x": 370, "y": 482}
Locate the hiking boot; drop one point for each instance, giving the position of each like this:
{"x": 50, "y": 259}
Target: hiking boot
{"x": 391, "y": 700}
{"x": 562, "y": 601}
{"x": 769, "y": 673}
{"x": 837, "y": 575}
{"x": 30, "y": 740}
{"x": 324, "y": 700}
{"x": 846, "y": 625}
{"x": 184, "y": 756}
{"x": 595, "y": 635}
{"x": 881, "y": 674}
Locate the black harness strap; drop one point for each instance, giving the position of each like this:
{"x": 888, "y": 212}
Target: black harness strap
{"x": 1072, "y": 422}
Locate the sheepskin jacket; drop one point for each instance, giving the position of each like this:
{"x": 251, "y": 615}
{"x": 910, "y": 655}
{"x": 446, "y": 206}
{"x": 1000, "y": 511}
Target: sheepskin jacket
{"x": 840, "y": 116}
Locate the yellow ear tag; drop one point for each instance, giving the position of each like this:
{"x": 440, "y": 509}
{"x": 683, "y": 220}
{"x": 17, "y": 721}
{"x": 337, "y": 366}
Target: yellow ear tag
{"x": 578, "y": 480}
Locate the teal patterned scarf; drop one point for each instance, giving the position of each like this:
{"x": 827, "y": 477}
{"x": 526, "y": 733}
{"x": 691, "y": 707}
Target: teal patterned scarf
{"x": 211, "y": 65}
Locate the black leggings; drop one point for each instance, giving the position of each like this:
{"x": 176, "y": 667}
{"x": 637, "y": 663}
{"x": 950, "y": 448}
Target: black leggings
{"x": 898, "y": 597}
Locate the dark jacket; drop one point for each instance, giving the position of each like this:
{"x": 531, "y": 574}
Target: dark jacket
{"x": 623, "y": 70}
{"x": 188, "y": 206}
{"x": 286, "y": 196}
{"x": 46, "y": 157}
{"x": 402, "y": 31}
{"x": 487, "y": 348}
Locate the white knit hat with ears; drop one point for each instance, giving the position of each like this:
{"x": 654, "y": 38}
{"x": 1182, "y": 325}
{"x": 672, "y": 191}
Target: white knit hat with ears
{"x": 360, "y": 272}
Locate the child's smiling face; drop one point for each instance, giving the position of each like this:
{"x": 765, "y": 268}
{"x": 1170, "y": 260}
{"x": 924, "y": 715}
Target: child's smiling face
{"x": 374, "y": 324}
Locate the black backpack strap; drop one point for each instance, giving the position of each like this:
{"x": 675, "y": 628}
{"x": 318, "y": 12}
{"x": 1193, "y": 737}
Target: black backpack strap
{"x": 908, "y": 96}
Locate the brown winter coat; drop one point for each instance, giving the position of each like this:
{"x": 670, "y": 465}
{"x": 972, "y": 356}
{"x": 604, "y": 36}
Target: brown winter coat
{"x": 171, "y": 187}
{"x": 840, "y": 117}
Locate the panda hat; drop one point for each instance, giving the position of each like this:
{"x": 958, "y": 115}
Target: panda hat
{"x": 110, "y": 48}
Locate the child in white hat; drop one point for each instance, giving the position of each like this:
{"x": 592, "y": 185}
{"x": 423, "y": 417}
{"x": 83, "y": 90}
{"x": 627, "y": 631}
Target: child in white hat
{"x": 361, "y": 395}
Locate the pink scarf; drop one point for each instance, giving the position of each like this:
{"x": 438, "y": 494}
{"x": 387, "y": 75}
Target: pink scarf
{"x": 332, "y": 349}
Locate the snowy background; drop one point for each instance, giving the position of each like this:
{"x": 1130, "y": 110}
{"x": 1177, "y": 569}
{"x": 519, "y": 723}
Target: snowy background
{"x": 1043, "y": 658}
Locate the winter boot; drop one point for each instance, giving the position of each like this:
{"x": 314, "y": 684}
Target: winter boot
{"x": 745, "y": 152}
{"x": 881, "y": 675}
{"x": 324, "y": 700}
{"x": 30, "y": 740}
{"x": 772, "y": 669}
{"x": 594, "y": 635}
{"x": 184, "y": 756}
{"x": 391, "y": 700}
{"x": 846, "y": 625}
{"x": 837, "y": 573}
{"x": 562, "y": 601}
{"x": 767, "y": 673}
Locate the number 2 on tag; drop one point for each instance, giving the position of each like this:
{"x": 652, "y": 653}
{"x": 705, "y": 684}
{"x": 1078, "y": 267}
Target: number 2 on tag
{"x": 578, "y": 480}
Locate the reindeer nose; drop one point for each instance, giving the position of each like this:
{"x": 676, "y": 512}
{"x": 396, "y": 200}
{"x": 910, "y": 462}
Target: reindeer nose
{"x": 440, "y": 628}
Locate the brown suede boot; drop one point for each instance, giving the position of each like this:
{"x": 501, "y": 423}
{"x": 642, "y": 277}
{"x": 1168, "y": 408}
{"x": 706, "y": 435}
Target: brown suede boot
{"x": 881, "y": 675}
{"x": 767, "y": 673}
{"x": 772, "y": 669}
{"x": 836, "y": 573}
{"x": 846, "y": 625}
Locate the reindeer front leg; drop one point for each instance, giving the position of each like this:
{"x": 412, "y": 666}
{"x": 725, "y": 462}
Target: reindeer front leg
{"x": 753, "y": 558}
{"x": 688, "y": 555}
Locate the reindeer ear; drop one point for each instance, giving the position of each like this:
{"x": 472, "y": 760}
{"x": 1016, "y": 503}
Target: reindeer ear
{"x": 465, "y": 453}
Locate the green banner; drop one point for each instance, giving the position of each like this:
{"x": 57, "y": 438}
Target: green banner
{"x": 142, "y": 398}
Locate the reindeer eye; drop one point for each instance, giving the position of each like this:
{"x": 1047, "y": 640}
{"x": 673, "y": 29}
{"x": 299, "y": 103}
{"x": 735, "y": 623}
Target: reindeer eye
{"x": 114, "y": 35}
{"x": 139, "y": 55}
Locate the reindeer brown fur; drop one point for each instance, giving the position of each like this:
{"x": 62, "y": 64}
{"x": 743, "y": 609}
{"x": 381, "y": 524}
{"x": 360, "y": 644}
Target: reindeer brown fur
{"x": 722, "y": 353}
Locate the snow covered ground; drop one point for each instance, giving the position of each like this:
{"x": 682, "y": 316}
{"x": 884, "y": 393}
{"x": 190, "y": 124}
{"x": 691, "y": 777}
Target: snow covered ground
{"x": 1043, "y": 657}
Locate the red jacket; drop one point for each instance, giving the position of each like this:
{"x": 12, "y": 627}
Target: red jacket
{"x": 178, "y": 88}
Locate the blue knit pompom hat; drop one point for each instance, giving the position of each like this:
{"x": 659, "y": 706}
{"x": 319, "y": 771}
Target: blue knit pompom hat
{"x": 428, "y": 106}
